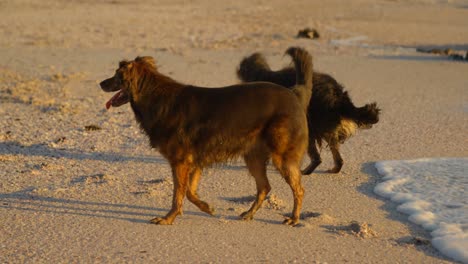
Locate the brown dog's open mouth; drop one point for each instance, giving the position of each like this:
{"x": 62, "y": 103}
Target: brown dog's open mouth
{"x": 120, "y": 98}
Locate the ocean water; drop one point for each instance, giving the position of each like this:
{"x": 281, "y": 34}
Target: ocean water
{"x": 433, "y": 193}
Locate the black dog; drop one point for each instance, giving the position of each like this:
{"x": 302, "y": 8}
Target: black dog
{"x": 332, "y": 117}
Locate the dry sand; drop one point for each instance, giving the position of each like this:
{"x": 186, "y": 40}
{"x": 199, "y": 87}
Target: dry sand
{"x": 78, "y": 184}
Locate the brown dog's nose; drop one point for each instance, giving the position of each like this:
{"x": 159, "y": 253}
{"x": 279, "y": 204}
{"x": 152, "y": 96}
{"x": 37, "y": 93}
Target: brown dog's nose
{"x": 108, "y": 85}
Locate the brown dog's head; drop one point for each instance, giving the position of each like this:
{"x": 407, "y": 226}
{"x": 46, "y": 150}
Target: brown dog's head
{"x": 125, "y": 79}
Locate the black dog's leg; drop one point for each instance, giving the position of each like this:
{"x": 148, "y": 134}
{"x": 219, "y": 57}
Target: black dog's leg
{"x": 335, "y": 150}
{"x": 315, "y": 158}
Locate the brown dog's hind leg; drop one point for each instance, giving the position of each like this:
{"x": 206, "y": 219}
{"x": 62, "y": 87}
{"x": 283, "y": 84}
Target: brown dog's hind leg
{"x": 256, "y": 163}
{"x": 192, "y": 194}
{"x": 338, "y": 160}
{"x": 291, "y": 173}
{"x": 180, "y": 175}
{"x": 293, "y": 178}
{"x": 314, "y": 156}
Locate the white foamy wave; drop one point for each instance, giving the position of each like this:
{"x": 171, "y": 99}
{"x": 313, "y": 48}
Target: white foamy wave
{"x": 433, "y": 193}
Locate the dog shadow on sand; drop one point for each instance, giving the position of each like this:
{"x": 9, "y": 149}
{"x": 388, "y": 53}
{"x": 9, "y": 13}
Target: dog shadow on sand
{"x": 16, "y": 148}
{"x": 30, "y": 200}
{"x": 27, "y": 200}
{"x": 43, "y": 150}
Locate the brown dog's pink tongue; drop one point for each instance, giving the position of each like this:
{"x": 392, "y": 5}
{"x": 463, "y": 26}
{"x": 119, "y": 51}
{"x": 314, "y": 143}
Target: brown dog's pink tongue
{"x": 109, "y": 103}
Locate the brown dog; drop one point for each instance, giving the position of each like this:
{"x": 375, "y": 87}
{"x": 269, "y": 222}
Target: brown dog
{"x": 193, "y": 127}
{"x": 332, "y": 116}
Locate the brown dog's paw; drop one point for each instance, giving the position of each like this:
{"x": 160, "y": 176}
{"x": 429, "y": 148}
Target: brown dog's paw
{"x": 211, "y": 211}
{"x": 291, "y": 222}
{"x": 160, "y": 221}
{"x": 246, "y": 216}
{"x": 204, "y": 207}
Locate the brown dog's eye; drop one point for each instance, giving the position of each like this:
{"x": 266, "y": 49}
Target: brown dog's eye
{"x": 118, "y": 77}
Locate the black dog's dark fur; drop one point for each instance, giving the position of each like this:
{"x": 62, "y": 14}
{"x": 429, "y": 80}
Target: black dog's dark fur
{"x": 332, "y": 117}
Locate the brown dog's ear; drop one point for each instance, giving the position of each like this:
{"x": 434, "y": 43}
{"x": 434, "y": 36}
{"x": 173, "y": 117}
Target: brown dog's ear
{"x": 125, "y": 64}
{"x": 146, "y": 59}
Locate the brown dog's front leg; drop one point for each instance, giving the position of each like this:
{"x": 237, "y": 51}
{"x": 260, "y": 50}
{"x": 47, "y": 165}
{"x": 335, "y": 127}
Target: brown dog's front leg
{"x": 192, "y": 195}
{"x": 180, "y": 172}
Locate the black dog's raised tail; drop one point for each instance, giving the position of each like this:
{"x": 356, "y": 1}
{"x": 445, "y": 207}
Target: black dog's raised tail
{"x": 304, "y": 72}
{"x": 253, "y": 68}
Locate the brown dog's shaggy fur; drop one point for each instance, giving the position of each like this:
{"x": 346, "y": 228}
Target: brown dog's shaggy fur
{"x": 194, "y": 127}
{"x": 332, "y": 117}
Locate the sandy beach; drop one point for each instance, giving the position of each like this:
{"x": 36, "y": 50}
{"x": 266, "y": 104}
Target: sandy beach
{"x": 79, "y": 183}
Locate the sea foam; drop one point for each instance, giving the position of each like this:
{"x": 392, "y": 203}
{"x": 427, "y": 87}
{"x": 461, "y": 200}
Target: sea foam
{"x": 433, "y": 193}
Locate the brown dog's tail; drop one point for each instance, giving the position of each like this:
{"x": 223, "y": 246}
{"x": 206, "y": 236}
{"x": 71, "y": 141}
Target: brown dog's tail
{"x": 304, "y": 72}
